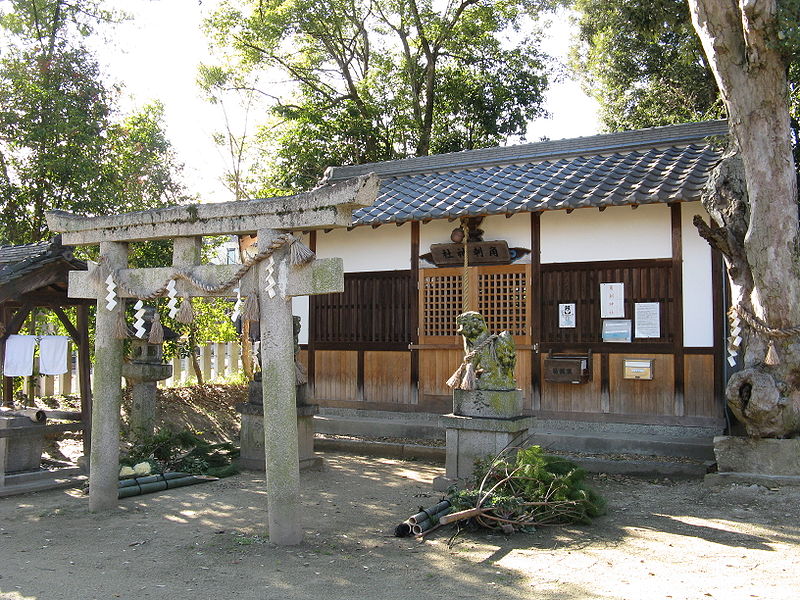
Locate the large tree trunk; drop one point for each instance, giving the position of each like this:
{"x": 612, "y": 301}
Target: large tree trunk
{"x": 753, "y": 200}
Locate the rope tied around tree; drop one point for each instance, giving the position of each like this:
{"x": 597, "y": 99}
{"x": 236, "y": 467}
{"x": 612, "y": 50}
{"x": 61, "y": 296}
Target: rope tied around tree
{"x": 761, "y": 327}
{"x": 299, "y": 255}
{"x": 464, "y": 378}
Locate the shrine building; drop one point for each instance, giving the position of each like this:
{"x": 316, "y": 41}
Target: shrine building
{"x": 584, "y": 249}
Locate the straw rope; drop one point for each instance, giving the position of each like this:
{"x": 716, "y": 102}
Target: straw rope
{"x": 758, "y": 325}
{"x": 184, "y": 275}
{"x": 457, "y": 379}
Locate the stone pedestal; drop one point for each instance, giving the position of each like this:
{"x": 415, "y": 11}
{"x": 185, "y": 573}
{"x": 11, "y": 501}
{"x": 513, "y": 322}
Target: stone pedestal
{"x": 759, "y": 461}
{"x": 142, "y": 378}
{"x": 251, "y": 436}
{"x": 23, "y": 453}
{"x": 483, "y": 423}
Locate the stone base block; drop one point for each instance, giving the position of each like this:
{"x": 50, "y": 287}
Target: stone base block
{"x": 768, "y": 457}
{"x": 21, "y": 453}
{"x": 251, "y": 437}
{"x": 494, "y": 404}
{"x": 472, "y": 438}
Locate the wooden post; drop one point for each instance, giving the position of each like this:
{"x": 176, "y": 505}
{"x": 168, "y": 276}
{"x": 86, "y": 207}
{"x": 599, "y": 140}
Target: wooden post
{"x": 65, "y": 380}
{"x": 234, "y": 365}
{"x": 84, "y": 377}
{"x": 104, "y": 458}
{"x": 219, "y": 360}
{"x": 177, "y": 370}
{"x": 677, "y": 303}
{"x": 205, "y": 361}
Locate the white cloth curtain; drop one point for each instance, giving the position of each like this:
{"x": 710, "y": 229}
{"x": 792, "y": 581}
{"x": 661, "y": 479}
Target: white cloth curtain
{"x": 53, "y": 355}
{"x": 19, "y": 356}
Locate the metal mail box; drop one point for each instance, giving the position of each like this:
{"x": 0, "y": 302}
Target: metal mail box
{"x": 637, "y": 368}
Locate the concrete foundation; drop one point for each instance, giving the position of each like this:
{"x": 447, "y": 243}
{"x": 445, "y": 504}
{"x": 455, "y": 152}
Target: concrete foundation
{"x": 759, "y": 461}
{"x": 251, "y": 437}
{"x": 469, "y": 438}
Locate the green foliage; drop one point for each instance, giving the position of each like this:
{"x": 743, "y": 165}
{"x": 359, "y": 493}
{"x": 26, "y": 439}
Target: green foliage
{"x": 534, "y": 488}
{"x": 386, "y": 79}
{"x": 182, "y": 451}
{"x": 644, "y": 64}
{"x": 62, "y": 145}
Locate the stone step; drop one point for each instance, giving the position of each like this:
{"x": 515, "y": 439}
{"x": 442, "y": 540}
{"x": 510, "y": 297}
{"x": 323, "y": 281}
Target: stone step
{"x": 626, "y": 443}
{"x": 619, "y": 465}
{"x": 37, "y": 481}
{"x": 600, "y": 439}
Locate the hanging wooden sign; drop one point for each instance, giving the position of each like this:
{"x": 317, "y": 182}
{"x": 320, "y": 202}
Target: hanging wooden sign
{"x": 480, "y": 253}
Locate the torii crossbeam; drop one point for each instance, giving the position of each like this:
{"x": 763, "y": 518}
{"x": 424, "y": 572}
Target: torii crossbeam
{"x": 275, "y": 283}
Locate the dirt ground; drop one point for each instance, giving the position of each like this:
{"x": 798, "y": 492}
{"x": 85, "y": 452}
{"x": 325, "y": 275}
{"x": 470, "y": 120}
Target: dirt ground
{"x": 658, "y": 540}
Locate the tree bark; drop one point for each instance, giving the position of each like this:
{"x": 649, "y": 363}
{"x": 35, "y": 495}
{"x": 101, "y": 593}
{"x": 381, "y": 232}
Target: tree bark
{"x": 752, "y": 199}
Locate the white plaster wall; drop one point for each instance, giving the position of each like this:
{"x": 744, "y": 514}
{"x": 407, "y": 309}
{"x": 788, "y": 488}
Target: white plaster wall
{"x": 387, "y": 248}
{"x": 300, "y": 309}
{"x": 698, "y": 306}
{"x": 617, "y": 233}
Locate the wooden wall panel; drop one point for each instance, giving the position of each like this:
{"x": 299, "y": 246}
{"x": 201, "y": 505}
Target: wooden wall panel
{"x": 302, "y": 358}
{"x": 435, "y": 368}
{"x": 699, "y": 398}
{"x": 336, "y": 374}
{"x": 634, "y": 397}
{"x": 386, "y": 377}
{"x": 573, "y": 397}
{"x": 523, "y": 375}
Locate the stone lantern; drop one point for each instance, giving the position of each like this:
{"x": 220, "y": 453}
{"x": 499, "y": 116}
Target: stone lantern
{"x": 144, "y": 368}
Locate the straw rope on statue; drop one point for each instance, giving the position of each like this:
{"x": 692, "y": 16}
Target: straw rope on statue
{"x": 738, "y": 314}
{"x": 489, "y": 359}
{"x": 299, "y": 254}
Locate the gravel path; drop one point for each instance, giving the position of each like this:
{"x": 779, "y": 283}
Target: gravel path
{"x": 675, "y": 540}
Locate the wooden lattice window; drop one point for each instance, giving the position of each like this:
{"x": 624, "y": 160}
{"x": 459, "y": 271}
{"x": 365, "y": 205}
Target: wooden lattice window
{"x": 441, "y": 301}
{"x": 503, "y": 300}
{"x": 499, "y": 293}
{"x": 374, "y": 311}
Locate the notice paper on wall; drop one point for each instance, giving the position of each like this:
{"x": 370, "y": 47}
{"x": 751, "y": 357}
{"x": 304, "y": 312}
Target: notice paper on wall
{"x": 617, "y": 330}
{"x": 648, "y": 319}
{"x": 566, "y": 316}
{"x": 612, "y": 300}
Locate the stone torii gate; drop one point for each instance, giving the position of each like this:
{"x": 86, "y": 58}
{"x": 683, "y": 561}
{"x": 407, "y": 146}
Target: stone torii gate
{"x": 274, "y": 282}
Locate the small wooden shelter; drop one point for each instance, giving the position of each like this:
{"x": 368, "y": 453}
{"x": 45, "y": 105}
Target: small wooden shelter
{"x": 34, "y": 276}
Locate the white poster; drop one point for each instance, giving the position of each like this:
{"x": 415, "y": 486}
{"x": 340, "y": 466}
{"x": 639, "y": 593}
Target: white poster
{"x": 566, "y": 315}
{"x": 612, "y": 300}
{"x": 648, "y": 319}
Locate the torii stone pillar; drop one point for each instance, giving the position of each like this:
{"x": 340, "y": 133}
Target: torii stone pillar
{"x": 107, "y": 394}
{"x": 280, "y": 408}
{"x": 326, "y": 207}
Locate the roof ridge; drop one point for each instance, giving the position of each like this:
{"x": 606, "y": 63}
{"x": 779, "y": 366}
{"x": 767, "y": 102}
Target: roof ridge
{"x": 685, "y": 133}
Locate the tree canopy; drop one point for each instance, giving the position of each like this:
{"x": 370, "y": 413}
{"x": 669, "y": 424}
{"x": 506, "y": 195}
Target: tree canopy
{"x": 385, "y": 79}
{"x": 62, "y": 143}
{"x": 643, "y": 63}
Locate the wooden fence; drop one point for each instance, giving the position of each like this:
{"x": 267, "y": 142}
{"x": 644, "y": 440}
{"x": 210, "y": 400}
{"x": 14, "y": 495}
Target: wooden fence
{"x": 217, "y": 361}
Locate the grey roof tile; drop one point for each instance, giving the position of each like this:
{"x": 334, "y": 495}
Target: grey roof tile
{"x": 639, "y": 167}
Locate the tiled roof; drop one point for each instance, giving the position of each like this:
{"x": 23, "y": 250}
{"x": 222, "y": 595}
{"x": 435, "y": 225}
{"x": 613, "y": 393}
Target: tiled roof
{"x": 18, "y": 261}
{"x": 662, "y": 164}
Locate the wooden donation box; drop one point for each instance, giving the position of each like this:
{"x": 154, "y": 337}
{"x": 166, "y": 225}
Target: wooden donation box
{"x": 564, "y": 368}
